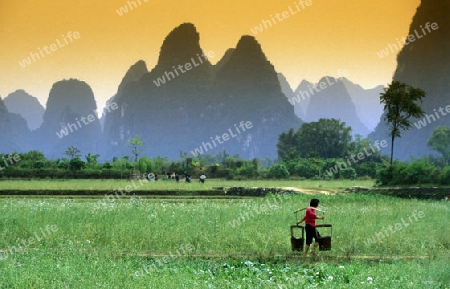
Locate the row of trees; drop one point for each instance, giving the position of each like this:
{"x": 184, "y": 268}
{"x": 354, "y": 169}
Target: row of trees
{"x": 420, "y": 171}
{"x": 432, "y": 169}
{"x": 329, "y": 143}
{"x": 316, "y": 148}
{"x": 324, "y": 149}
{"x": 33, "y": 164}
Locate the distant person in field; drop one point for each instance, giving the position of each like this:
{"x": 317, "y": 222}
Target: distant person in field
{"x": 187, "y": 178}
{"x": 177, "y": 178}
{"x": 310, "y": 226}
{"x": 156, "y": 177}
{"x": 202, "y": 178}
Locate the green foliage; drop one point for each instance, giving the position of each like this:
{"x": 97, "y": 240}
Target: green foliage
{"x": 417, "y": 172}
{"x": 287, "y": 146}
{"x": 329, "y": 138}
{"x": 306, "y": 168}
{"x": 440, "y": 141}
{"x": 32, "y": 160}
{"x": 39, "y": 164}
{"x": 366, "y": 148}
{"x": 249, "y": 171}
{"x": 316, "y": 168}
{"x": 399, "y": 101}
{"x": 326, "y": 138}
{"x": 34, "y": 165}
{"x": 347, "y": 173}
{"x": 77, "y": 164}
{"x": 72, "y": 152}
{"x": 142, "y": 165}
{"x": 92, "y": 160}
{"x": 279, "y": 171}
{"x": 107, "y": 165}
{"x": 367, "y": 169}
{"x": 63, "y": 164}
{"x": 236, "y": 168}
{"x": 159, "y": 164}
{"x": 445, "y": 176}
{"x": 135, "y": 143}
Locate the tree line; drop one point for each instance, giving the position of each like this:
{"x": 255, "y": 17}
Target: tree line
{"x": 324, "y": 149}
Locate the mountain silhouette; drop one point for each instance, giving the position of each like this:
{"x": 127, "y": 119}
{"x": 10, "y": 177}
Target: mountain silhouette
{"x": 225, "y": 58}
{"x": 330, "y": 99}
{"x": 69, "y": 120}
{"x": 112, "y": 117}
{"x": 247, "y": 88}
{"x": 184, "y": 102}
{"x": 167, "y": 106}
{"x": 423, "y": 64}
{"x": 187, "y": 106}
{"x": 26, "y": 106}
{"x": 367, "y": 102}
{"x": 291, "y": 96}
{"x": 13, "y": 130}
{"x": 301, "y": 99}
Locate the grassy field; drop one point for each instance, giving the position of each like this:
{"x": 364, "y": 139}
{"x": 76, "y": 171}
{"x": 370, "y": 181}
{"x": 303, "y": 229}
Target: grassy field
{"x": 94, "y": 270}
{"x": 131, "y": 242}
{"x": 110, "y": 185}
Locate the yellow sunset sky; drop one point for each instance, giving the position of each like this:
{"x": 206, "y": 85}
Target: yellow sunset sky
{"x": 321, "y": 39}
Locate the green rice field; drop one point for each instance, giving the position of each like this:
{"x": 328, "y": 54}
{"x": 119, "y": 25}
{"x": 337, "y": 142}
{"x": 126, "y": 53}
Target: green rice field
{"x": 134, "y": 242}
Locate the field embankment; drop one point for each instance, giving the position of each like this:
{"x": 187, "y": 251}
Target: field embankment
{"x": 213, "y": 187}
{"x": 433, "y": 193}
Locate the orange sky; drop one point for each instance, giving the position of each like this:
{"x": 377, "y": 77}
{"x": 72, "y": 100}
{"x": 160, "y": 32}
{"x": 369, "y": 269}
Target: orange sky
{"x": 326, "y": 37}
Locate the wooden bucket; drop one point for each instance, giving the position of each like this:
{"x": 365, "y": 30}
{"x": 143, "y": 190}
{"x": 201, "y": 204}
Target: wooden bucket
{"x": 325, "y": 241}
{"x": 297, "y": 242}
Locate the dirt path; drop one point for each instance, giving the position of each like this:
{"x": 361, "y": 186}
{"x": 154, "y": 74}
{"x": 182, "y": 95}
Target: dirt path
{"x": 311, "y": 191}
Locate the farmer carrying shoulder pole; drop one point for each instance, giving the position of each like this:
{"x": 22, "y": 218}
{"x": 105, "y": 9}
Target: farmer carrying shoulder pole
{"x": 310, "y": 227}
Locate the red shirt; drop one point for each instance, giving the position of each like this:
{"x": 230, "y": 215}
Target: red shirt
{"x": 310, "y": 217}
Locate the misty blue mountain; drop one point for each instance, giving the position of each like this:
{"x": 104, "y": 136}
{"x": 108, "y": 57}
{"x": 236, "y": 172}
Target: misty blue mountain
{"x": 27, "y": 107}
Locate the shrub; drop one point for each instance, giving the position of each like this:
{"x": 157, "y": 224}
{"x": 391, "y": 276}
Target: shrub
{"x": 384, "y": 175}
{"x": 417, "y": 172}
{"x": 367, "y": 169}
{"x": 348, "y": 173}
{"x": 444, "y": 178}
{"x": 107, "y": 165}
{"x": 279, "y": 171}
{"x": 306, "y": 168}
{"x": 63, "y": 164}
{"x": 77, "y": 164}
